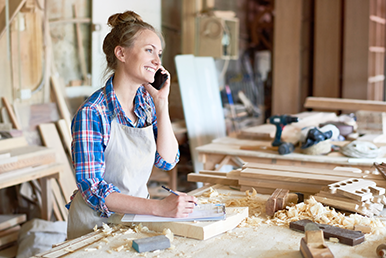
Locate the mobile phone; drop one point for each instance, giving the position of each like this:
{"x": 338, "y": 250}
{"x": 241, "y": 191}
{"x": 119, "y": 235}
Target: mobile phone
{"x": 159, "y": 79}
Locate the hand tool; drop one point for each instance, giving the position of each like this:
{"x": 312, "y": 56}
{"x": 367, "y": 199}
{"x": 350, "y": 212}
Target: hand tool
{"x": 280, "y": 121}
{"x": 345, "y": 236}
{"x": 313, "y": 245}
{"x": 279, "y": 199}
{"x": 151, "y": 243}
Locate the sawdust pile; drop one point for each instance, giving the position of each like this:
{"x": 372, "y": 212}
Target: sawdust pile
{"x": 309, "y": 209}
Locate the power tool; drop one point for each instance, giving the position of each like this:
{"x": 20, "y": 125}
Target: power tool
{"x": 280, "y": 122}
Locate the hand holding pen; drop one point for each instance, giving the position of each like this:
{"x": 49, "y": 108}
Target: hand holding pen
{"x": 171, "y": 191}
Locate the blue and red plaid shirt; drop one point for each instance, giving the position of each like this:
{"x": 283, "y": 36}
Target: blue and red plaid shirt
{"x": 90, "y": 135}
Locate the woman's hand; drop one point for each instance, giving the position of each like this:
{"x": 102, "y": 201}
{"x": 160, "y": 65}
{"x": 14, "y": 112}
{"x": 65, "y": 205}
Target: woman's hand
{"x": 176, "y": 206}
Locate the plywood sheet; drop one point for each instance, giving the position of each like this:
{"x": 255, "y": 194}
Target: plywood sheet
{"x": 201, "y": 101}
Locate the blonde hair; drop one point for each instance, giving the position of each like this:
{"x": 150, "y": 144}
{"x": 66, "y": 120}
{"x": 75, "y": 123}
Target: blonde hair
{"x": 125, "y": 29}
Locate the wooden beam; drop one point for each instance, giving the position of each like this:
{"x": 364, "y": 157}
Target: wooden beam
{"x": 14, "y": 8}
{"x": 327, "y": 48}
{"x": 212, "y": 179}
{"x": 190, "y": 9}
{"x": 11, "y": 114}
{"x": 79, "y": 40}
{"x": 355, "y": 49}
{"x": 345, "y": 104}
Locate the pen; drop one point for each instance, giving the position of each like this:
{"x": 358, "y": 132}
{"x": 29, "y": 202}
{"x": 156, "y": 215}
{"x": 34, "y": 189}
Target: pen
{"x": 171, "y": 191}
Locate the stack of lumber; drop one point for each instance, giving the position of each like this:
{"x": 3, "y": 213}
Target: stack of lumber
{"x": 9, "y": 232}
{"x": 17, "y": 156}
{"x": 355, "y": 195}
{"x": 265, "y": 178}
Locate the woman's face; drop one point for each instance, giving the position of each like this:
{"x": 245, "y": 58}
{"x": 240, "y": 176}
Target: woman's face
{"x": 143, "y": 59}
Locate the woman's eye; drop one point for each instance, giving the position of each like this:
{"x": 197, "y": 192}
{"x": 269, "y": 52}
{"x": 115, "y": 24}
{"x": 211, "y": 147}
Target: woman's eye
{"x": 149, "y": 50}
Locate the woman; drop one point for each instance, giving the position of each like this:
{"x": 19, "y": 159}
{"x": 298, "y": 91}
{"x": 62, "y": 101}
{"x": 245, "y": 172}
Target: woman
{"x": 121, "y": 131}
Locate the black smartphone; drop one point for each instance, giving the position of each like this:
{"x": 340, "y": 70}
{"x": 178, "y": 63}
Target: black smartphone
{"x": 159, "y": 79}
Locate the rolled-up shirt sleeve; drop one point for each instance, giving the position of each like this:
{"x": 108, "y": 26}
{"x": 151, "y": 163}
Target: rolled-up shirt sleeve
{"x": 88, "y": 159}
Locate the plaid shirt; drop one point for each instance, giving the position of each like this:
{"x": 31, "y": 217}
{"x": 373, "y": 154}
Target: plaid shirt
{"x": 91, "y": 133}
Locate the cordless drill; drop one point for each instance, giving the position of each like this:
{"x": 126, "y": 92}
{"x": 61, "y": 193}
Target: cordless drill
{"x": 280, "y": 122}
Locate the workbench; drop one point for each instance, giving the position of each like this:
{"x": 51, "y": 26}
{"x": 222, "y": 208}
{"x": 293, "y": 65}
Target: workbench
{"x": 264, "y": 240}
{"x": 45, "y": 173}
{"x": 226, "y": 150}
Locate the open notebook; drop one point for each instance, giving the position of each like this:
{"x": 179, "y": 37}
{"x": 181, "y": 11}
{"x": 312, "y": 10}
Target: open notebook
{"x": 202, "y": 212}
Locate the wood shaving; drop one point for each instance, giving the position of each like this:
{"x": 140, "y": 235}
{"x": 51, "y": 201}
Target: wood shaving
{"x": 169, "y": 234}
{"x": 310, "y": 209}
{"x": 90, "y": 249}
{"x": 333, "y": 239}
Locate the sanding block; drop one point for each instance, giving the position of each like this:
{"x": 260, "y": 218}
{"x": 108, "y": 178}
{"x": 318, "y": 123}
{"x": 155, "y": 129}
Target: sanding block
{"x": 345, "y": 236}
{"x": 149, "y": 244}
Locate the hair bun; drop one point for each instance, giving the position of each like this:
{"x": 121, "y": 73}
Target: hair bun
{"x": 123, "y": 18}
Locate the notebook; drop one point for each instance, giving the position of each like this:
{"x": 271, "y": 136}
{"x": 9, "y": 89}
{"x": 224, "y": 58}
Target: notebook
{"x": 202, "y": 212}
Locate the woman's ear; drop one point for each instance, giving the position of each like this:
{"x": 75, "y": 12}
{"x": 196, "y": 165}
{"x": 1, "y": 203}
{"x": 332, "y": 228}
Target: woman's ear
{"x": 120, "y": 53}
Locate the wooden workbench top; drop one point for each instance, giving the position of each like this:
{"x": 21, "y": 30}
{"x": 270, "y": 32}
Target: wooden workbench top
{"x": 263, "y": 240}
{"x": 231, "y": 146}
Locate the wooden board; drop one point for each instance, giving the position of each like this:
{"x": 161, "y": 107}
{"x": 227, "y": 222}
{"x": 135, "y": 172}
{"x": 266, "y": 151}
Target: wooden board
{"x": 10, "y": 143}
{"x": 9, "y": 252}
{"x": 8, "y": 221}
{"x": 345, "y": 104}
{"x": 199, "y": 84}
{"x": 11, "y": 113}
{"x": 356, "y": 49}
{"x": 50, "y": 138}
{"x": 287, "y": 49}
{"x": 212, "y": 179}
{"x": 274, "y": 184}
{"x": 27, "y": 156}
{"x": 203, "y": 230}
{"x": 327, "y": 48}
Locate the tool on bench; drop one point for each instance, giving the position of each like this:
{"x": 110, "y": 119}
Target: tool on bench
{"x": 313, "y": 245}
{"x": 381, "y": 250}
{"x": 345, "y": 236}
{"x": 149, "y": 244}
{"x": 279, "y": 199}
{"x": 280, "y": 122}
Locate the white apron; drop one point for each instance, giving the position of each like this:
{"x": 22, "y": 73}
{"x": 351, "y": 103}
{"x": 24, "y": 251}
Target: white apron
{"x": 129, "y": 159}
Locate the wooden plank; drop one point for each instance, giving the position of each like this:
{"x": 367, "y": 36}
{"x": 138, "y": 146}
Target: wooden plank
{"x": 9, "y": 252}
{"x": 14, "y": 8}
{"x": 11, "y": 114}
{"x": 188, "y": 26}
{"x": 10, "y": 143}
{"x": 9, "y": 238}
{"x": 202, "y": 230}
{"x": 50, "y": 138}
{"x": 8, "y": 221}
{"x": 286, "y": 88}
{"x": 8, "y": 231}
{"x": 310, "y": 170}
{"x": 65, "y": 135}
{"x": 63, "y": 109}
{"x": 19, "y": 176}
{"x": 27, "y": 156}
{"x": 194, "y": 177}
{"x": 355, "y": 49}
{"x": 79, "y": 41}
{"x": 292, "y": 186}
{"x": 345, "y": 104}
{"x": 327, "y": 48}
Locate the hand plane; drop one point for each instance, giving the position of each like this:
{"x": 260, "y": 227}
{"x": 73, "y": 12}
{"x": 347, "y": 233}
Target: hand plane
{"x": 313, "y": 245}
